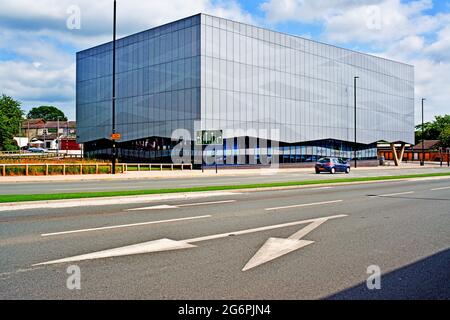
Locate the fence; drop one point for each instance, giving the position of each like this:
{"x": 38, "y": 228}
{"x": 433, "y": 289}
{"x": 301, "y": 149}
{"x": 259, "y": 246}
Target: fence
{"x": 130, "y": 167}
{"x": 84, "y": 168}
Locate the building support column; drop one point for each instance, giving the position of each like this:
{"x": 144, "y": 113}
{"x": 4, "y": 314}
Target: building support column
{"x": 398, "y": 159}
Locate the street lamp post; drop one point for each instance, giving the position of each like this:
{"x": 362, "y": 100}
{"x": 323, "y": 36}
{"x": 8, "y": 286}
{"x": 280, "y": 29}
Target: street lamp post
{"x": 356, "y": 141}
{"x": 57, "y": 138}
{"x": 422, "y": 163}
{"x": 114, "y": 92}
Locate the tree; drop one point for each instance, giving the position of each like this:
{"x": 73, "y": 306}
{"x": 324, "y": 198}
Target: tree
{"x": 445, "y": 137}
{"x": 433, "y": 130}
{"x": 11, "y": 116}
{"x": 48, "y": 113}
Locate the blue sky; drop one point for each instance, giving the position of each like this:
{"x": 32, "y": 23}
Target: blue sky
{"x": 37, "y": 49}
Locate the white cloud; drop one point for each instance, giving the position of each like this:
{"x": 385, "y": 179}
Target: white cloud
{"x": 393, "y": 29}
{"x": 40, "y": 49}
{"x": 306, "y": 11}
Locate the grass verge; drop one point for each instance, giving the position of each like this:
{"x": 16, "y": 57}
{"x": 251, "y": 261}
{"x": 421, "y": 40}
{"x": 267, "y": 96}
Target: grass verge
{"x": 85, "y": 195}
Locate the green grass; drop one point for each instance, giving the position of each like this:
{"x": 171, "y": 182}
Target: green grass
{"x": 84, "y": 195}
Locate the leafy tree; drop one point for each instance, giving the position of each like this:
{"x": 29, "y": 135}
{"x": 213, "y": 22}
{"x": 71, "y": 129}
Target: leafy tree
{"x": 445, "y": 137}
{"x": 433, "y": 130}
{"x": 10, "y": 122}
{"x": 48, "y": 113}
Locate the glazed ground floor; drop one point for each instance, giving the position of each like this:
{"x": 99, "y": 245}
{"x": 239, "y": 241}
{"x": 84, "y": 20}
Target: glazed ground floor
{"x": 234, "y": 151}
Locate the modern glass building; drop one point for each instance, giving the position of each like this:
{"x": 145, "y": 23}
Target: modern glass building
{"x": 209, "y": 73}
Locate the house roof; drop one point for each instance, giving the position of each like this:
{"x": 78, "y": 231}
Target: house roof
{"x": 427, "y": 145}
{"x": 41, "y": 124}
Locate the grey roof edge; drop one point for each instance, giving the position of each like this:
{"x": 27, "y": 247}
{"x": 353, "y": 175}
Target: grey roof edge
{"x": 146, "y": 30}
{"x": 263, "y": 28}
{"x": 311, "y": 40}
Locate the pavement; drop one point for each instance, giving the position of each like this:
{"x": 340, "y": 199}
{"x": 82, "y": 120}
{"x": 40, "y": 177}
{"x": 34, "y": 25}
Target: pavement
{"x": 188, "y": 179}
{"x": 309, "y": 243}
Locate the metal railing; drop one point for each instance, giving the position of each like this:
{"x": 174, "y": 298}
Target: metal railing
{"x": 53, "y": 169}
{"x": 47, "y": 169}
{"x": 130, "y": 167}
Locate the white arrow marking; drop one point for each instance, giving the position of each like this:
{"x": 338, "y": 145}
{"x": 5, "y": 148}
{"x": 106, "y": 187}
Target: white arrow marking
{"x": 147, "y": 247}
{"x": 166, "y": 244}
{"x": 277, "y": 247}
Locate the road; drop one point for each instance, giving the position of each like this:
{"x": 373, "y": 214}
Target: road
{"x": 311, "y": 243}
{"x": 187, "y": 182}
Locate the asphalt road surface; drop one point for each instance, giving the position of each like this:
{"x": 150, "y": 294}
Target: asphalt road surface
{"x": 187, "y": 182}
{"x": 311, "y": 243}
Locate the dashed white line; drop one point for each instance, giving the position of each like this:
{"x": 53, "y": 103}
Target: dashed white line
{"x": 304, "y": 205}
{"x": 162, "y": 207}
{"x": 123, "y": 226}
{"x": 395, "y": 194}
{"x": 438, "y": 189}
{"x": 205, "y": 203}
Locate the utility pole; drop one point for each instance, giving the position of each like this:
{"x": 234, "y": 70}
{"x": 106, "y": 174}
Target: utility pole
{"x": 114, "y": 91}
{"x": 422, "y": 163}
{"x": 57, "y": 137}
{"x": 356, "y": 141}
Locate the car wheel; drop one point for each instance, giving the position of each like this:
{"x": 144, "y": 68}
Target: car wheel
{"x": 347, "y": 171}
{"x": 317, "y": 171}
{"x": 333, "y": 170}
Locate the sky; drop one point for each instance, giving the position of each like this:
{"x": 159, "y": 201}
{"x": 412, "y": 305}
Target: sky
{"x": 39, "y": 38}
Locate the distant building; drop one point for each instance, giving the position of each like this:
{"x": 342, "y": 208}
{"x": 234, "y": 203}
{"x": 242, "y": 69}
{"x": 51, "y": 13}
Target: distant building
{"x": 428, "y": 145}
{"x": 47, "y": 134}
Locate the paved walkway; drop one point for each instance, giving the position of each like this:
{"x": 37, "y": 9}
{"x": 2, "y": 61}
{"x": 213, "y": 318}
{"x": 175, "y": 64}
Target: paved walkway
{"x": 193, "y": 173}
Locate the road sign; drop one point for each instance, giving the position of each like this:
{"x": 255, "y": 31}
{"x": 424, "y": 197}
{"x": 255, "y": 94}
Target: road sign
{"x": 209, "y": 137}
{"x": 116, "y": 136}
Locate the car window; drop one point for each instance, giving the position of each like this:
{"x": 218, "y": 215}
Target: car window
{"x": 324, "y": 160}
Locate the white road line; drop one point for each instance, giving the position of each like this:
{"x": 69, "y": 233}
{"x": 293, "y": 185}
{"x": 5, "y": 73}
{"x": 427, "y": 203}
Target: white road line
{"x": 304, "y": 205}
{"x": 109, "y": 201}
{"x": 162, "y": 207}
{"x": 322, "y": 188}
{"x": 243, "y": 232}
{"x": 395, "y": 194}
{"x": 438, "y": 189}
{"x": 93, "y": 188}
{"x": 168, "y": 245}
{"x": 123, "y": 226}
{"x": 205, "y": 203}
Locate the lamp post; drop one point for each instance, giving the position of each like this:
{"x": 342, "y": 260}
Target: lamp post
{"x": 422, "y": 163}
{"x": 57, "y": 137}
{"x": 356, "y": 141}
{"x": 113, "y": 167}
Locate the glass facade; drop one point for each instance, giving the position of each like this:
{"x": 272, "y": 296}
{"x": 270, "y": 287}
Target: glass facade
{"x": 157, "y": 84}
{"x": 232, "y": 76}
